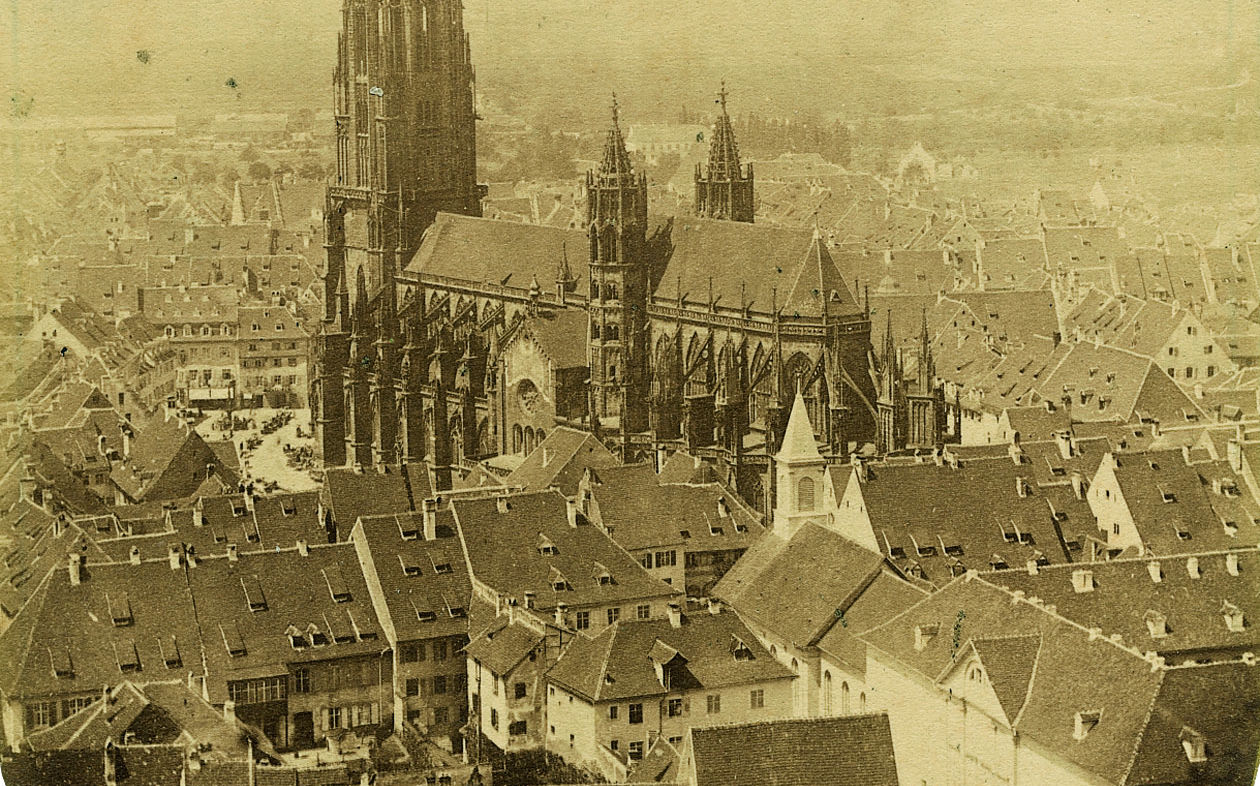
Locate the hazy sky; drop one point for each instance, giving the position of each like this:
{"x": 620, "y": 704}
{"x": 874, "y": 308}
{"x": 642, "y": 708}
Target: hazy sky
{"x": 82, "y": 53}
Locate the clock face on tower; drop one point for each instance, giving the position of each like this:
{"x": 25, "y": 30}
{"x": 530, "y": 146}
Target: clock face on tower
{"x": 528, "y": 396}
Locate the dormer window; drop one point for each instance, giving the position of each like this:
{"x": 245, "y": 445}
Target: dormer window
{"x": 923, "y": 635}
{"x": 232, "y": 640}
{"x": 1085, "y": 723}
{"x": 1083, "y": 581}
{"x": 170, "y": 653}
{"x": 336, "y": 582}
{"x": 425, "y": 616}
{"x": 975, "y": 674}
{"x": 740, "y": 650}
{"x": 128, "y": 659}
{"x": 545, "y": 546}
{"x": 1156, "y": 624}
{"x": 442, "y": 567}
{"x": 602, "y": 576}
{"x": 288, "y": 507}
{"x": 1194, "y": 746}
{"x": 119, "y": 609}
{"x": 62, "y": 666}
{"x": 557, "y": 581}
{"x": 1168, "y": 495}
{"x": 297, "y": 639}
{"x": 407, "y": 528}
{"x": 410, "y": 566}
{"x": 253, "y": 593}
{"x": 1234, "y": 620}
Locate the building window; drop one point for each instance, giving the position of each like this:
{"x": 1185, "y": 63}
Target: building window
{"x": 413, "y": 687}
{"x": 1189, "y": 372}
{"x": 612, "y": 712}
{"x": 714, "y": 703}
{"x": 643, "y": 611}
{"x": 614, "y": 614}
{"x": 666, "y": 559}
{"x": 636, "y": 751}
{"x": 583, "y": 620}
{"x": 439, "y": 650}
{"x": 494, "y": 718}
{"x": 675, "y": 708}
{"x": 520, "y": 690}
{"x": 302, "y": 680}
{"x": 517, "y": 728}
{"x": 636, "y": 713}
{"x": 805, "y": 494}
{"x": 614, "y": 745}
{"x": 441, "y": 716}
{"x": 439, "y": 685}
{"x": 332, "y": 718}
{"x": 757, "y": 699}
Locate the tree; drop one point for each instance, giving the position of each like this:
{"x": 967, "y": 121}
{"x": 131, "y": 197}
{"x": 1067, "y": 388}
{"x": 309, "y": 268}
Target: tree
{"x": 258, "y": 171}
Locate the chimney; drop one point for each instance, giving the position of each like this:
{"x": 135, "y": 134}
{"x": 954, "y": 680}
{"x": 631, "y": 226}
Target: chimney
{"x": 1021, "y": 487}
{"x": 1231, "y": 563}
{"x": 229, "y": 711}
{"x": 937, "y": 458}
{"x": 76, "y": 569}
{"x": 675, "y": 615}
{"x": 175, "y": 555}
{"x": 570, "y": 511}
{"x": 502, "y": 505}
{"x": 530, "y": 596}
{"x": 100, "y": 444}
{"x": 134, "y": 555}
{"x": 302, "y": 548}
{"x": 1016, "y": 452}
{"x": 561, "y": 610}
{"x": 1192, "y": 567}
{"x": 1153, "y": 568}
{"x": 198, "y": 519}
{"x": 358, "y": 468}
{"x": 249, "y": 501}
{"x": 429, "y": 506}
{"x": 126, "y": 435}
{"x": 723, "y": 509}
{"x": 1083, "y": 581}
{"x": 1078, "y": 485}
{"x": 1033, "y": 567}
{"x": 1233, "y": 451}
{"x": 231, "y": 552}
{"x": 859, "y": 466}
{"x": 715, "y": 608}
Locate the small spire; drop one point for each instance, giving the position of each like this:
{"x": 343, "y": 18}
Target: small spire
{"x": 616, "y": 109}
{"x": 722, "y": 96}
{"x": 798, "y": 439}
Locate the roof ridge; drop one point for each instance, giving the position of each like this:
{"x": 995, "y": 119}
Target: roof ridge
{"x": 1032, "y": 677}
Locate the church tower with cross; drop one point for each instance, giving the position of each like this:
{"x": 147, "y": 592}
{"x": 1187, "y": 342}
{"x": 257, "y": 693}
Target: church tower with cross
{"x": 724, "y": 188}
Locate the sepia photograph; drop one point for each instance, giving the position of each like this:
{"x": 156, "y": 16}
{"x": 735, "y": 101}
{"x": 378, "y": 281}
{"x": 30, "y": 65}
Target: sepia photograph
{"x": 684, "y": 392}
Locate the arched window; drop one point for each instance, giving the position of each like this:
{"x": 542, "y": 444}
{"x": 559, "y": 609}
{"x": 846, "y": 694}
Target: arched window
{"x": 774, "y": 652}
{"x": 170, "y": 331}
{"x": 529, "y": 440}
{"x": 205, "y": 330}
{"x": 517, "y": 438}
{"x": 805, "y": 494}
{"x": 828, "y": 709}
{"x": 862, "y": 702}
{"x": 798, "y": 689}
{"x": 541, "y": 435}
{"x": 844, "y": 698}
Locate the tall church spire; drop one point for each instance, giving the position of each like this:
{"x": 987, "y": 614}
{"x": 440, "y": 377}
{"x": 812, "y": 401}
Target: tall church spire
{"x": 616, "y": 218}
{"x": 724, "y": 188}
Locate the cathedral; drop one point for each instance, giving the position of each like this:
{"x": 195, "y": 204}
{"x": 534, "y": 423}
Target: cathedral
{"x": 449, "y": 339}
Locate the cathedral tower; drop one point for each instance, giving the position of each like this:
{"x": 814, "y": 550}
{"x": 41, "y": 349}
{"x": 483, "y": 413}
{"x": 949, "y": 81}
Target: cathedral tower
{"x": 616, "y": 217}
{"x": 406, "y": 149}
{"x": 724, "y": 189}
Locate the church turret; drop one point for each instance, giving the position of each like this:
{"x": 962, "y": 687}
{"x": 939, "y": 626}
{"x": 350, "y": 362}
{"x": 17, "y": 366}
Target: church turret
{"x": 617, "y": 228}
{"x": 724, "y": 188}
{"x": 800, "y": 474}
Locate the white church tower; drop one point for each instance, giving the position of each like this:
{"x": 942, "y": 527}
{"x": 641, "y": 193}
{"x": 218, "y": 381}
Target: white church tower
{"x": 802, "y": 492}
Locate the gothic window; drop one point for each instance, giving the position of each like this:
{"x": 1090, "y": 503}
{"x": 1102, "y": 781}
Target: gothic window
{"x": 844, "y": 698}
{"x": 518, "y": 438}
{"x": 595, "y": 330}
{"x": 805, "y": 494}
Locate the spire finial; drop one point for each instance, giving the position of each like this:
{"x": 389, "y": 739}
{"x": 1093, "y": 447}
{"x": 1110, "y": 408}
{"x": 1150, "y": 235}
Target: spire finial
{"x": 616, "y": 108}
{"x": 722, "y": 96}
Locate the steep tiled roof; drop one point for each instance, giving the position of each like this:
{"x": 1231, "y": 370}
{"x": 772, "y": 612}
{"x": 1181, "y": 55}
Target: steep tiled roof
{"x": 121, "y": 620}
{"x": 1009, "y": 664}
{"x": 560, "y": 460}
{"x": 524, "y": 543}
{"x": 1179, "y": 613}
{"x": 1171, "y": 505}
{"x": 936, "y": 521}
{"x": 746, "y": 263}
{"x": 499, "y": 252}
{"x": 351, "y": 492}
{"x": 853, "y": 750}
{"x": 503, "y": 645}
{"x": 706, "y": 642}
{"x": 561, "y": 335}
{"x": 640, "y": 512}
{"x": 820, "y": 570}
{"x": 421, "y": 581}
{"x": 247, "y": 607}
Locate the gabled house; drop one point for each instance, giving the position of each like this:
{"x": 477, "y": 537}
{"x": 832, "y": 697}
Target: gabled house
{"x": 610, "y": 697}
